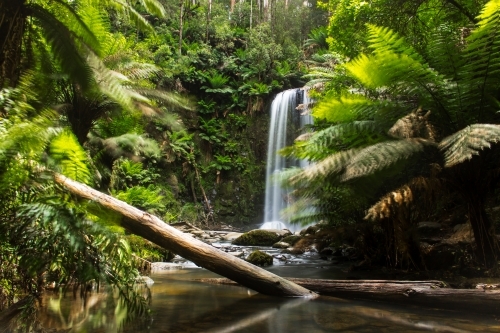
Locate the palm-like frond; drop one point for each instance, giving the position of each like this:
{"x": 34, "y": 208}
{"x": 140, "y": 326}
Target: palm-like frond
{"x": 466, "y": 143}
{"x": 71, "y": 157}
{"x": 481, "y": 72}
{"x": 62, "y": 42}
{"x": 381, "y": 155}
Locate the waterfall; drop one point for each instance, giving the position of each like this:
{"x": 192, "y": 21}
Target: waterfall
{"x": 286, "y": 122}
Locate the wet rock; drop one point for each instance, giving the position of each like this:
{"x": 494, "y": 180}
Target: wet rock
{"x": 231, "y": 236}
{"x": 260, "y": 258}
{"x": 260, "y": 237}
{"x": 163, "y": 266}
{"x": 281, "y": 245}
{"x": 237, "y": 253}
{"x": 311, "y": 230}
{"x": 292, "y": 239}
{"x": 293, "y": 250}
{"x": 144, "y": 280}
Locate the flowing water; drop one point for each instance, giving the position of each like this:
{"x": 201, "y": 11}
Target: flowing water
{"x": 285, "y": 125}
{"x": 181, "y": 304}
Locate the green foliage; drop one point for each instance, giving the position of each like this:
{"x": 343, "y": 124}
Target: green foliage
{"x": 71, "y": 157}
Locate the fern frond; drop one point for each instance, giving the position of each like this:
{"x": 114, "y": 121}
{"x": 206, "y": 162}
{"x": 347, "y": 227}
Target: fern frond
{"x": 381, "y": 155}
{"x": 71, "y": 157}
{"x": 128, "y": 11}
{"x": 154, "y": 7}
{"x": 349, "y": 108}
{"x": 401, "y": 198}
{"x": 333, "y": 164}
{"x": 114, "y": 84}
{"x": 481, "y": 71}
{"x": 466, "y": 143}
{"x": 62, "y": 41}
{"x": 79, "y": 26}
{"x": 395, "y": 65}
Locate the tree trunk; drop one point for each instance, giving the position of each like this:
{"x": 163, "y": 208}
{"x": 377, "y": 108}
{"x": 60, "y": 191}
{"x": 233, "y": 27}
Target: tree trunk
{"x": 12, "y": 23}
{"x": 424, "y": 293}
{"x": 484, "y": 233}
{"x": 181, "y": 25}
{"x": 155, "y": 230}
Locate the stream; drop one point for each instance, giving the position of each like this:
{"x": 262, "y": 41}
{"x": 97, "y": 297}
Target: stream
{"x": 179, "y": 303}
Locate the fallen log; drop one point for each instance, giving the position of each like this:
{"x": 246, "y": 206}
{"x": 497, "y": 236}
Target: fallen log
{"x": 433, "y": 294}
{"x": 155, "y": 230}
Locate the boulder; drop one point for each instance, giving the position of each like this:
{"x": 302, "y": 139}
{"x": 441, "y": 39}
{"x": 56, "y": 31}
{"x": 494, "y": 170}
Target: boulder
{"x": 231, "y": 236}
{"x": 260, "y": 258}
{"x": 260, "y": 237}
{"x": 292, "y": 239}
{"x": 281, "y": 245}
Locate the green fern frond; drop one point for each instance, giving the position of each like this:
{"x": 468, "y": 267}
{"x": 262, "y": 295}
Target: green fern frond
{"x": 466, "y": 143}
{"x": 395, "y": 65}
{"x": 135, "y": 17}
{"x": 71, "y": 157}
{"x": 354, "y": 107}
{"x": 481, "y": 71}
{"x": 134, "y": 144}
{"x": 62, "y": 41}
{"x": 381, "y": 155}
{"x": 154, "y": 7}
{"x": 114, "y": 84}
{"x": 333, "y": 164}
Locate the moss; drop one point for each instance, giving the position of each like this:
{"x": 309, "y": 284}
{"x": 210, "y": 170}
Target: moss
{"x": 291, "y": 239}
{"x": 147, "y": 250}
{"x": 260, "y": 258}
{"x": 257, "y": 238}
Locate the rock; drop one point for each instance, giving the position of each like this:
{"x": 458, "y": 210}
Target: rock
{"x": 311, "y": 230}
{"x": 281, "y": 245}
{"x": 259, "y": 237}
{"x": 231, "y": 236}
{"x": 144, "y": 280}
{"x": 292, "y": 239}
{"x": 327, "y": 251}
{"x": 462, "y": 234}
{"x": 164, "y": 266}
{"x": 293, "y": 250}
{"x": 260, "y": 258}
{"x": 429, "y": 228}
{"x": 237, "y": 253}
{"x": 198, "y": 232}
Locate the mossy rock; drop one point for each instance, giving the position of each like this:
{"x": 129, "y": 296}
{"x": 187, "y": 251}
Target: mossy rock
{"x": 258, "y": 238}
{"x": 291, "y": 239}
{"x": 281, "y": 245}
{"x": 260, "y": 258}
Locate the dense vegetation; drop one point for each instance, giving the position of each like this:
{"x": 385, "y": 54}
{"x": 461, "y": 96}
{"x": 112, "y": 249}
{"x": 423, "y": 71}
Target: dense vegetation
{"x": 163, "y": 105}
{"x": 406, "y": 108}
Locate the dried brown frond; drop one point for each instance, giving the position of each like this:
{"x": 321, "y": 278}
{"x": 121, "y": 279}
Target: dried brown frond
{"x": 398, "y": 202}
{"x": 414, "y": 125}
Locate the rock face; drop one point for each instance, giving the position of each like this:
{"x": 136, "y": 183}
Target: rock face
{"x": 260, "y": 237}
{"x": 260, "y": 258}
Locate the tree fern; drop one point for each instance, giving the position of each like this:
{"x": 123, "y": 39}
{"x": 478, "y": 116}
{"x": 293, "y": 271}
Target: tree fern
{"x": 62, "y": 42}
{"x": 71, "y": 157}
{"x": 481, "y": 72}
{"x": 464, "y": 144}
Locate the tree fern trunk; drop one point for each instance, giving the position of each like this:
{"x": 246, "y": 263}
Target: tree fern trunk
{"x": 484, "y": 233}
{"x": 11, "y": 34}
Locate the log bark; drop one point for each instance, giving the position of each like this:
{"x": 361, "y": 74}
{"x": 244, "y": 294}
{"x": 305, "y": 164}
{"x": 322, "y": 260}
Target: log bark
{"x": 155, "y": 230}
{"x": 433, "y": 294}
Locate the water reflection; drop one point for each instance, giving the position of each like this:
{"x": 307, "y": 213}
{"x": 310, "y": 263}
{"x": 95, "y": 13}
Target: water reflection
{"x": 180, "y": 304}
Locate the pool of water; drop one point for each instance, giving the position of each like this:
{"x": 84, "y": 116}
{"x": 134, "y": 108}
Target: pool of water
{"x": 179, "y": 303}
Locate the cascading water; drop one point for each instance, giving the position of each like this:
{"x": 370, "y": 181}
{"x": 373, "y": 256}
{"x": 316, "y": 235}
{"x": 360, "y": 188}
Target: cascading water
{"x": 286, "y": 121}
